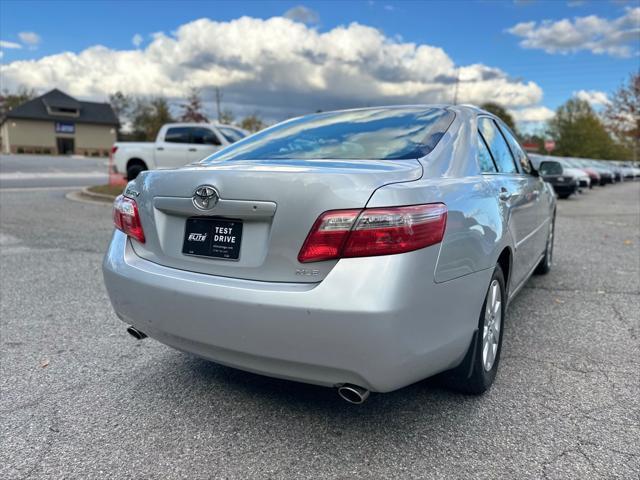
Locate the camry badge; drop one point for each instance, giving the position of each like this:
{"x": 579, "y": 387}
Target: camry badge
{"x": 205, "y": 197}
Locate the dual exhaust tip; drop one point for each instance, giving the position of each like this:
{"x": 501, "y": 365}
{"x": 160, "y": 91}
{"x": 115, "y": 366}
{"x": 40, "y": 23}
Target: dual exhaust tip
{"x": 349, "y": 393}
{"x": 353, "y": 393}
{"x": 135, "y": 333}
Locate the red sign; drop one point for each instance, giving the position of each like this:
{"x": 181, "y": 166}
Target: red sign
{"x": 549, "y": 145}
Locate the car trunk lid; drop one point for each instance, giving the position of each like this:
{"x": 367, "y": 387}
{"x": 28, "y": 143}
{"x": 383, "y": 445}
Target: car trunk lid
{"x": 276, "y": 201}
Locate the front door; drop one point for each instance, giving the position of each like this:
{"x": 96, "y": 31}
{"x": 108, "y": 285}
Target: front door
{"x": 66, "y": 146}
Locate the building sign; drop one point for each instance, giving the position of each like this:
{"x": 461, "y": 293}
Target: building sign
{"x": 65, "y": 127}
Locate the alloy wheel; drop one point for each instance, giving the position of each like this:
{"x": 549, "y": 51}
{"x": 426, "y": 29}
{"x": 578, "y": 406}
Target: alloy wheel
{"x": 492, "y": 325}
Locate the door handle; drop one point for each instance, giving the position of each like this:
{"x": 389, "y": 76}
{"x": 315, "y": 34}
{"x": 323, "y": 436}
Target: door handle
{"x": 160, "y": 148}
{"x": 193, "y": 149}
{"x": 504, "y": 194}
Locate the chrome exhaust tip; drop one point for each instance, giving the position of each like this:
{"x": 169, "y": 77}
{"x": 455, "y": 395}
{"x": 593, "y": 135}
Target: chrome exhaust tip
{"x": 353, "y": 394}
{"x": 135, "y": 333}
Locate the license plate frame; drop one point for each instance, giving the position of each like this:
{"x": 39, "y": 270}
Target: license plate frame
{"x": 213, "y": 237}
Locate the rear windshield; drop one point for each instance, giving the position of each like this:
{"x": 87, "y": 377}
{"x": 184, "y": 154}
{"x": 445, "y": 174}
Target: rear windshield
{"x": 368, "y": 134}
{"x": 550, "y": 168}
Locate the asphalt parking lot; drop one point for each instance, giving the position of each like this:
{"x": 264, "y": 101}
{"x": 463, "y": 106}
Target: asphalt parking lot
{"x": 81, "y": 399}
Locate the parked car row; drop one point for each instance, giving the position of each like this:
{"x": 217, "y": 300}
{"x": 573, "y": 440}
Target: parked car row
{"x": 570, "y": 176}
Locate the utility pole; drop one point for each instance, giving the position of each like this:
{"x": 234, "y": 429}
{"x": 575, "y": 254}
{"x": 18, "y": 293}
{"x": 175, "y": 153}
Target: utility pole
{"x": 455, "y": 91}
{"x": 218, "y": 100}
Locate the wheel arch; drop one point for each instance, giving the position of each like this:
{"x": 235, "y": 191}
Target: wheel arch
{"x": 136, "y": 161}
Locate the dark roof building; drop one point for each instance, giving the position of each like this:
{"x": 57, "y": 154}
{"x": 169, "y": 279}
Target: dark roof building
{"x": 58, "y": 123}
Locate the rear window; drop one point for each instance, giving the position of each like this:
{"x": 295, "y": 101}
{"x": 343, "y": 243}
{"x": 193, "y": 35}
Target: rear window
{"x": 177, "y": 135}
{"x": 550, "y": 168}
{"x": 368, "y": 134}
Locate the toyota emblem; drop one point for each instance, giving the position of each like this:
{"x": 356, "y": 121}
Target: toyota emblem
{"x": 205, "y": 197}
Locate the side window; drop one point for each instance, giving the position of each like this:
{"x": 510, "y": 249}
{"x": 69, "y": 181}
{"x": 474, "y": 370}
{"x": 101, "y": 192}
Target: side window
{"x": 203, "y": 136}
{"x": 516, "y": 149}
{"x": 497, "y": 145}
{"x": 177, "y": 135}
{"x": 484, "y": 157}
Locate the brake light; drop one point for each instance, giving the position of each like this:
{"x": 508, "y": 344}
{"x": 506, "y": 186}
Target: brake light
{"x": 114, "y": 149}
{"x": 126, "y": 217}
{"x": 374, "y": 231}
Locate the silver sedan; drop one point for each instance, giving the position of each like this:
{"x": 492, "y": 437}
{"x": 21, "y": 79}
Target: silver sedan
{"x": 363, "y": 249}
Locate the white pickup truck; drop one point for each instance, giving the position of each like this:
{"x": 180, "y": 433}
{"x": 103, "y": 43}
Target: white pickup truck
{"x": 177, "y": 144}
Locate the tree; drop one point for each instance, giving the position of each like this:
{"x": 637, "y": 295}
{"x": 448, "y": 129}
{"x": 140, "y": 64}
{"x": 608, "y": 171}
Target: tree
{"x": 622, "y": 116}
{"x": 122, "y": 106}
{"x": 10, "y": 100}
{"x": 253, "y": 123}
{"x": 226, "y": 117}
{"x": 501, "y": 112}
{"x": 578, "y": 132}
{"x": 149, "y": 116}
{"x": 192, "y": 110}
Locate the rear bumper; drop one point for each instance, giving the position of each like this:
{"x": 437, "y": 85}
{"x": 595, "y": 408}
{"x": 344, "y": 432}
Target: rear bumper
{"x": 566, "y": 189}
{"x": 378, "y": 322}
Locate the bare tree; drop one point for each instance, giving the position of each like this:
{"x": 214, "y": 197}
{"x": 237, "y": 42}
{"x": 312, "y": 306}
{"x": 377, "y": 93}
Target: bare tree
{"x": 192, "y": 110}
{"x": 622, "y": 115}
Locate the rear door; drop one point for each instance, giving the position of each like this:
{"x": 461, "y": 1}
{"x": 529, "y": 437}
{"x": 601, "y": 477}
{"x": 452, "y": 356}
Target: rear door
{"x": 514, "y": 193}
{"x": 171, "y": 151}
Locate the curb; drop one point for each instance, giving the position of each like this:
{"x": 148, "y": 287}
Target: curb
{"x": 85, "y": 196}
{"x": 97, "y": 196}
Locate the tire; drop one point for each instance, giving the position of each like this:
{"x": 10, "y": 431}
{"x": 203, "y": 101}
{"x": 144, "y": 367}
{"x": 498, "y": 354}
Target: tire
{"x": 478, "y": 370}
{"x": 134, "y": 169}
{"x": 545, "y": 264}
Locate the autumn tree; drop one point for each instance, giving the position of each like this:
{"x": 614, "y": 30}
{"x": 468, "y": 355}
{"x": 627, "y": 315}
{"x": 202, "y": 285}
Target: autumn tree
{"x": 578, "y": 132}
{"x": 149, "y": 116}
{"x": 10, "y": 100}
{"x": 252, "y": 123}
{"x": 622, "y": 115}
{"x": 192, "y": 110}
{"x": 226, "y": 117}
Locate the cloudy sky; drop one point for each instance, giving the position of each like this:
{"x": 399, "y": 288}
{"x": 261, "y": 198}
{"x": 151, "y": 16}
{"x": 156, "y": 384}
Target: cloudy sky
{"x": 281, "y": 58}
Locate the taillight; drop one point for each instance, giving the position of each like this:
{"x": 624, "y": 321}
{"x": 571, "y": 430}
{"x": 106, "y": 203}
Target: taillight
{"x": 126, "y": 217}
{"x": 374, "y": 231}
{"x": 114, "y": 149}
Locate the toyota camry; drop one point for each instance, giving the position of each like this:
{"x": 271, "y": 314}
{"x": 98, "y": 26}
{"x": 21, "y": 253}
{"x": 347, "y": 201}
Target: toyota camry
{"x": 363, "y": 250}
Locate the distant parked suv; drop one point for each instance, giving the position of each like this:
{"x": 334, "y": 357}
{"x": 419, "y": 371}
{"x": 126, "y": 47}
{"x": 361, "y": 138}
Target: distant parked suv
{"x": 177, "y": 144}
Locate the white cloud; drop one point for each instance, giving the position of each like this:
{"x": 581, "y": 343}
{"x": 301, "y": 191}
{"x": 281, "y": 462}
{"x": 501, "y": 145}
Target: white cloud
{"x": 30, "y": 39}
{"x": 618, "y": 37}
{"x": 302, "y": 14}
{"x": 277, "y": 67}
{"x": 5, "y": 44}
{"x": 532, "y": 114}
{"x": 595, "y": 98}
{"x": 137, "y": 40}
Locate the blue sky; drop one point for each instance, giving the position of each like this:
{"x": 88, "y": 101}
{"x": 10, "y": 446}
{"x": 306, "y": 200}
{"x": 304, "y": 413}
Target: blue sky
{"x": 469, "y": 33}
